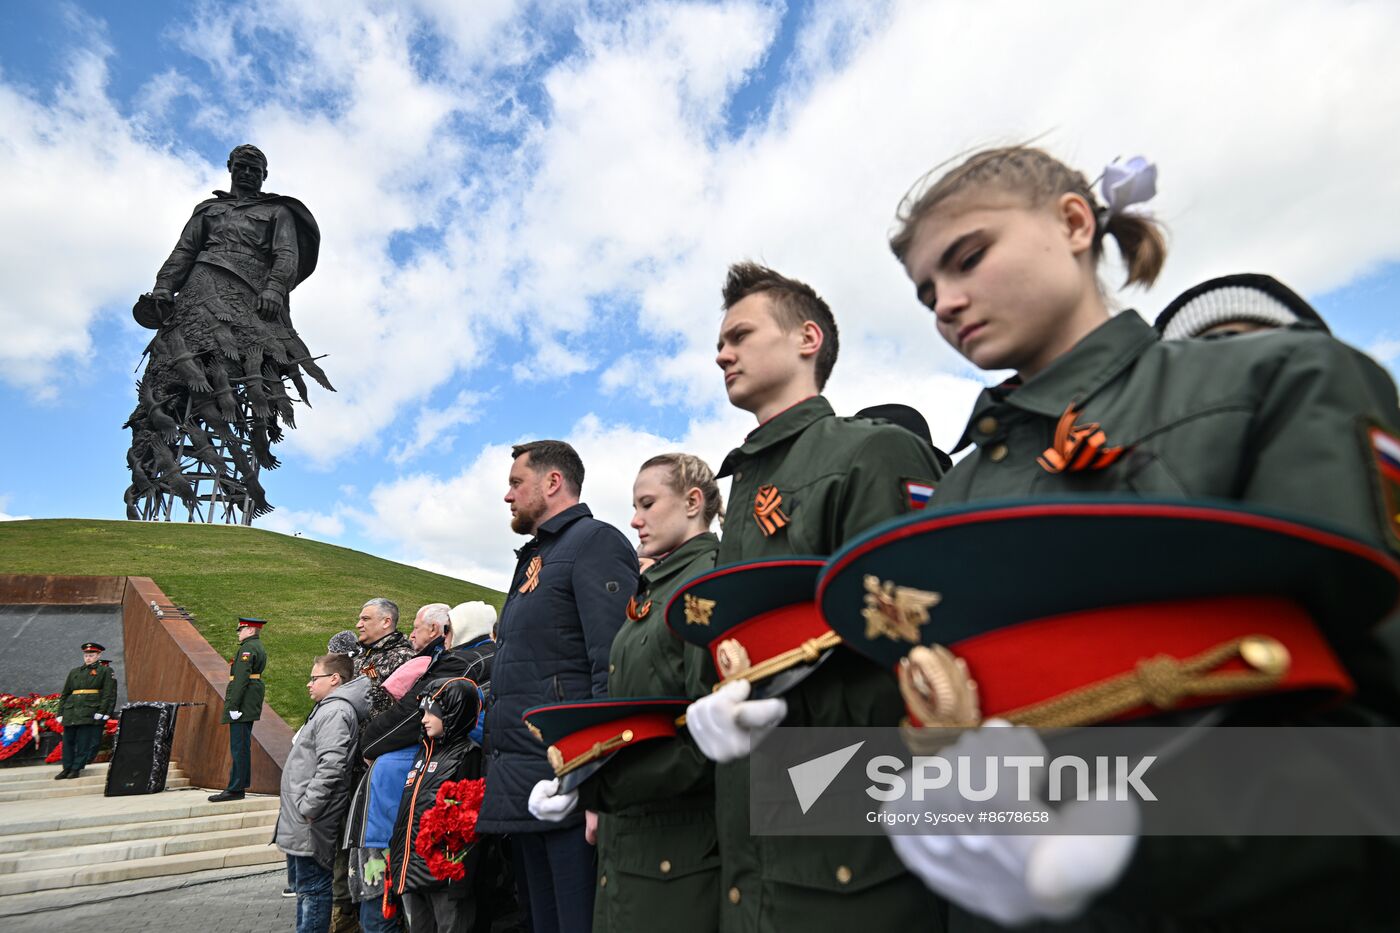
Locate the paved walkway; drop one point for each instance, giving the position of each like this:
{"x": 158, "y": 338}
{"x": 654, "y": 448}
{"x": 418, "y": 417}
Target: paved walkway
{"x": 235, "y": 905}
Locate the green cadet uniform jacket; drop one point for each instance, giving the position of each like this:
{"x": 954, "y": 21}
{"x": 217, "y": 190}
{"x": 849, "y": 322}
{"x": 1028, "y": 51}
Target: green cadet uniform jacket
{"x": 90, "y": 689}
{"x": 656, "y": 835}
{"x": 833, "y": 478}
{"x": 1278, "y": 419}
{"x": 245, "y": 686}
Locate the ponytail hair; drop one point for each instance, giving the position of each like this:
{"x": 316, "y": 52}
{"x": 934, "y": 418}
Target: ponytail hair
{"x": 687, "y": 472}
{"x": 1140, "y": 241}
{"x": 1039, "y": 177}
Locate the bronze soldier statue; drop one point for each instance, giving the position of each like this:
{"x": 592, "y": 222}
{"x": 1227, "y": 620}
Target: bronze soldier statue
{"x": 213, "y": 398}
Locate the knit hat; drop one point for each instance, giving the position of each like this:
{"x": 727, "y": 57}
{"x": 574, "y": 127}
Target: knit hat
{"x": 471, "y": 621}
{"x": 1248, "y": 296}
{"x": 343, "y": 643}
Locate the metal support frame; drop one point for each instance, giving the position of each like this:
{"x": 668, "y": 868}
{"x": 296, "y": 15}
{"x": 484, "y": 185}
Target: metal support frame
{"x": 218, "y": 498}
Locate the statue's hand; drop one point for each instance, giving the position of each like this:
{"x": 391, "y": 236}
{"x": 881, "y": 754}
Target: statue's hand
{"x": 270, "y": 303}
{"x": 162, "y": 294}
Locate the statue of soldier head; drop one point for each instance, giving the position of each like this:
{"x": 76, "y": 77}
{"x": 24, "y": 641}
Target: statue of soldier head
{"x": 247, "y": 168}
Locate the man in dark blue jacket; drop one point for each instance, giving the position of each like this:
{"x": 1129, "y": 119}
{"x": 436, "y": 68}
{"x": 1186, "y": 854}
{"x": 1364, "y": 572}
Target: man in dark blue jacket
{"x": 565, "y": 603}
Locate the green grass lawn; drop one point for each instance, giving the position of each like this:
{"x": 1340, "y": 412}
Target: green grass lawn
{"x": 306, "y": 590}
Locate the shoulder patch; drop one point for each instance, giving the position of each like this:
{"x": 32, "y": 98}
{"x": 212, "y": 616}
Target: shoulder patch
{"x": 917, "y": 493}
{"x": 245, "y": 656}
{"x": 1385, "y": 453}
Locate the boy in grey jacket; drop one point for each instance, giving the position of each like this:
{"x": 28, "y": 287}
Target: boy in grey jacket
{"x": 316, "y": 784}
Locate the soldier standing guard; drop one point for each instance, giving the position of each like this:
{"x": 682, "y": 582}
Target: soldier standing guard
{"x": 243, "y": 703}
{"x": 89, "y": 696}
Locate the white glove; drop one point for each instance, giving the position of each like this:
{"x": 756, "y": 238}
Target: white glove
{"x": 1015, "y": 879}
{"x": 235, "y": 715}
{"x": 726, "y": 725}
{"x": 98, "y": 716}
{"x": 546, "y": 803}
{"x": 58, "y": 719}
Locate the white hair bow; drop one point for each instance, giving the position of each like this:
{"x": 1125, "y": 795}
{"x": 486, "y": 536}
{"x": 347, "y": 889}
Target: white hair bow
{"x": 1127, "y": 183}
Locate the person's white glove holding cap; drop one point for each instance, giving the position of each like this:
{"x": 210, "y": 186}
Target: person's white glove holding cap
{"x": 547, "y": 804}
{"x": 1015, "y": 879}
{"x": 727, "y": 725}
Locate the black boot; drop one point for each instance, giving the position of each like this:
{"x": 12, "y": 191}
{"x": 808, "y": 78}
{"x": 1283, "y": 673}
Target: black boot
{"x": 225, "y": 795}
{"x": 62, "y": 776}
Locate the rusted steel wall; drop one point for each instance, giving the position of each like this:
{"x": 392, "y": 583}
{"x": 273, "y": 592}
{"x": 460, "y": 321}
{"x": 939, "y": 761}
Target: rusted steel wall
{"x": 167, "y": 659}
{"x": 32, "y": 589}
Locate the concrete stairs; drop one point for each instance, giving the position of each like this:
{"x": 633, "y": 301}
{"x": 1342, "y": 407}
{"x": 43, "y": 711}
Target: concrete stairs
{"x": 65, "y": 834}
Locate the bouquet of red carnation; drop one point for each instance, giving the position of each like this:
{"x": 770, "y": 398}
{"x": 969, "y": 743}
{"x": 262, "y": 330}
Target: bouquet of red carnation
{"x": 448, "y": 830}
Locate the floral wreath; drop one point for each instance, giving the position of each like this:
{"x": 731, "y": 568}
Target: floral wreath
{"x": 448, "y": 830}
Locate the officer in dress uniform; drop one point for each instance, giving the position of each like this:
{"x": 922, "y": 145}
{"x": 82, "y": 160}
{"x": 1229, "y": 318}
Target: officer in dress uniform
{"x": 1004, "y": 249}
{"x": 804, "y": 482}
{"x": 243, "y": 702}
{"x": 88, "y": 699}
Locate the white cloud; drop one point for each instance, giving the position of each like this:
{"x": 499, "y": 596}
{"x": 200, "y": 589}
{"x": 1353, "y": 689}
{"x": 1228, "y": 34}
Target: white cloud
{"x": 307, "y": 523}
{"x": 89, "y": 204}
{"x": 6, "y": 516}
{"x": 1386, "y": 351}
{"x": 433, "y": 425}
{"x": 460, "y": 525}
{"x": 619, "y": 195}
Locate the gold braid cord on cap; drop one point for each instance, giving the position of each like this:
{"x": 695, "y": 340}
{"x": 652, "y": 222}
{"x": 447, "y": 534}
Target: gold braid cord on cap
{"x": 939, "y": 693}
{"x": 732, "y": 652}
{"x": 1163, "y": 681}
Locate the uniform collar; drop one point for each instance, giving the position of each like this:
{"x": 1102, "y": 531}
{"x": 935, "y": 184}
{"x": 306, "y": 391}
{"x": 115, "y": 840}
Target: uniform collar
{"x": 780, "y": 427}
{"x": 676, "y": 562}
{"x": 1075, "y": 377}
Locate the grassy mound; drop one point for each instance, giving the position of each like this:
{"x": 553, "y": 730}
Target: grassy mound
{"x": 307, "y": 590}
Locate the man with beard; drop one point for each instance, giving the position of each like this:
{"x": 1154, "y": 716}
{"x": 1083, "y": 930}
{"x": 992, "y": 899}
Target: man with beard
{"x": 565, "y": 604}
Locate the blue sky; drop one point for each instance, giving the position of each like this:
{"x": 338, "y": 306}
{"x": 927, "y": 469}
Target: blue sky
{"x": 527, "y": 209}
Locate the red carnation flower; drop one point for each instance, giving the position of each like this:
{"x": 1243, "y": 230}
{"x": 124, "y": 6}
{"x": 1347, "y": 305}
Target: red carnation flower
{"x": 447, "y": 831}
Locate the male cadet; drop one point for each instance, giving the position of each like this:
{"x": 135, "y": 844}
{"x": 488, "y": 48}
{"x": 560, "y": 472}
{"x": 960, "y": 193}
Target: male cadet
{"x": 89, "y": 696}
{"x": 242, "y": 706}
{"x": 804, "y": 482}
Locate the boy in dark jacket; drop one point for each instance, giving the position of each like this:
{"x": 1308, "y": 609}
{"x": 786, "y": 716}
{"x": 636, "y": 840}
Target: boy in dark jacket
{"x": 446, "y": 753}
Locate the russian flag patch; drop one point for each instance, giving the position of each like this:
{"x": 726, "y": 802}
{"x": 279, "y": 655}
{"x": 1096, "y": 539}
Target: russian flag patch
{"x": 917, "y": 494}
{"x": 1385, "y": 448}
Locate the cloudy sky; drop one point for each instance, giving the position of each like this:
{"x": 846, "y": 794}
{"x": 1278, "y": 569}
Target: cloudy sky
{"x": 527, "y": 210}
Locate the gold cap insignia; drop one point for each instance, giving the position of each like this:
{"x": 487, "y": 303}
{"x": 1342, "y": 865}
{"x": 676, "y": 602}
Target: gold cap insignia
{"x": 941, "y": 697}
{"x": 896, "y": 612}
{"x": 697, "y": 610}
{"x": 731, "y": 658}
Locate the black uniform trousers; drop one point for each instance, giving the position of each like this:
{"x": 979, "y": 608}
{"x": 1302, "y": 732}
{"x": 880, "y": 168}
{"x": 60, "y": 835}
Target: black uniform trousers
{"x": 240, "y": 749}
{"x": 80, "y": 744}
